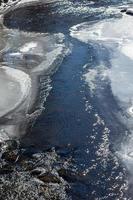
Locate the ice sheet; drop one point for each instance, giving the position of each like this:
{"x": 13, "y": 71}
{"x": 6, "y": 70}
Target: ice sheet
{"x": 28, "y": 56}
{"x": 15, "y": 86}
{"x": 116, "y": 36}
{"x": 107, "y": 30}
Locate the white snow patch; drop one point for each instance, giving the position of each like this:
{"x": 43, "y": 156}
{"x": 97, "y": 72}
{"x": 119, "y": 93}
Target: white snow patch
{"x": 14, "y": 89}
{"x": 106, "y": 30}
{"x": 28, "y": 47}
{"x": 127, "y": 49}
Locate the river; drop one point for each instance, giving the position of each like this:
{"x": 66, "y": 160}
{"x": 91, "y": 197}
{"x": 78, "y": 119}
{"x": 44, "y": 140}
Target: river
{"x": 88, "y": 113}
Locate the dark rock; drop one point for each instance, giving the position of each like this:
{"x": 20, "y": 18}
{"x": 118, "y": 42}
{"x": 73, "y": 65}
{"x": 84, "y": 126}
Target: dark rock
{"x": 5, "y": 1}
{"x": 11, "y": 144}
{"x": 38, "y": 171}
{"x": 129, "y": 11}
{"x": 49, "y": 178}
{"x": 68, "y": 175}
{"x": 124, "y": 10}
{"x": 6, "y": 169}
{"x": 10, "y": 156}
{"x": 28, "y": 152}
{"x": 27, "y": 165}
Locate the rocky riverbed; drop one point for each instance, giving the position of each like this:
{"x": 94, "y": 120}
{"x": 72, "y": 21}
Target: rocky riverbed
{"x": 27, "y": 174}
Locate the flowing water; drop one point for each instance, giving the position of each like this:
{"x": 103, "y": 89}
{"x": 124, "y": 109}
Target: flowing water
{"x": 88, "y": 114}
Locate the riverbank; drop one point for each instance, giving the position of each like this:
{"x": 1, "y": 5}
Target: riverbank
{"x": 27, "y": 174}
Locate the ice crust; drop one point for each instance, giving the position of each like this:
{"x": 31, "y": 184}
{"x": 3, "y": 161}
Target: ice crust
{"x": 116, "y": 37}
{"x": 27, "y": 56}
{"x": 15, "y": 87}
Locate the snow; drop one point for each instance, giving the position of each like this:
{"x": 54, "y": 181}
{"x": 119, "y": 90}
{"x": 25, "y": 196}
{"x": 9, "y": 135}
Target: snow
{"x": 15, "y": 86}
{"x": 129, "y": 11}
{"x": 28, "y": 47}
{"x": 117, "y": 37}
{"x": 115, "y": 30}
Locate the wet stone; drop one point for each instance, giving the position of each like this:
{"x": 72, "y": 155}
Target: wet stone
{"x": 124, "y": 10}
{"x": 27, "y": 165}
{"x": 38, "y": 171}
{"x": 129, "y": 11}
{"x": 11, "y": 156}
{"x": 11, "y": 144}
{"x": 68, "y": 175}
{"x": 6, "y": 169}
{"x": 49, "y": 178}
{"x": 31, "y": 176}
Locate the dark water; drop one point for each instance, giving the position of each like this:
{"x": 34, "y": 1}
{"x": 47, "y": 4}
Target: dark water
{"x": 77, "y": 124}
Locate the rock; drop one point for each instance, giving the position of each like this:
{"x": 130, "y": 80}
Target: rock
{"x": 38, "y": 171}
{"x": 10, "y": 156}
{"x": 11, "y": 144}
{"x": 9, "y": 150}
{"x": 130, "y": 154}
{"x": 129, "y": 11}
{"x": 67, "y": 175}
{"x": 124, "y": 10}
{"x": 6, "y": 169}
{"x": 38, "y": 182}
{"x": 29, "y": 151}
{"x": 49, "y": 178}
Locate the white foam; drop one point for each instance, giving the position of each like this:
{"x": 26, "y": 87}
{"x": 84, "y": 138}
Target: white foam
{"x": 90, "y": 77}
{"x": 93, "y": 76}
